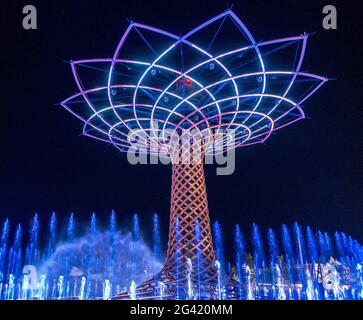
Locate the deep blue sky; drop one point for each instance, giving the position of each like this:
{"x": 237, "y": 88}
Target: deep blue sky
{"x": 310, "y": 172}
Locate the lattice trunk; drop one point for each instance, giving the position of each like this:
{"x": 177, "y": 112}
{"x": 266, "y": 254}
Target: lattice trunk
{"x": 190, "y": 233}
{"x": 190, "y": 255}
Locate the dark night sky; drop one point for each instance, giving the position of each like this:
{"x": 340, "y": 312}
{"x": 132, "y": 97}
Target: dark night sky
{"x": 310, "y": 172}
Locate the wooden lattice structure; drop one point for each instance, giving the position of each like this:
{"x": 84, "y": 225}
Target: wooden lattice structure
{"x": 189, "y": 219}
{"x": 190, "y": 241}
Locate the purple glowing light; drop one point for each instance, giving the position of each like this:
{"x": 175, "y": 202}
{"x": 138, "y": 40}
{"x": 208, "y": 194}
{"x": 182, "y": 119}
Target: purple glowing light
{"x": 224, "y": 97}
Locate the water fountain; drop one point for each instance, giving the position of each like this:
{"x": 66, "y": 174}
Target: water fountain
{"x": 189, "y": 280}
{"x": 133, "y": 290}
{"x": 291, "y": 264}
{"x": 162, "y": 288}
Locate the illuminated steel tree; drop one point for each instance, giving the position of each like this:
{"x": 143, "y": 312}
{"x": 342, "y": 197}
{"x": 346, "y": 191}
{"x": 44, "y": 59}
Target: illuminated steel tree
{"x": 217, "y": 81}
